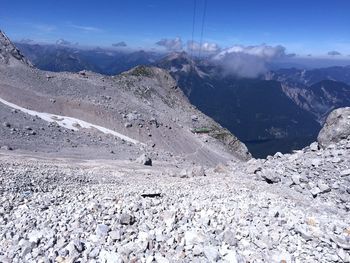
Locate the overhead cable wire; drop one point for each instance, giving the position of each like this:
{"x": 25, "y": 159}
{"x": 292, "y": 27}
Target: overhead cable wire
{"x": 193, "y": 26}
{"x": 202, "y": 29}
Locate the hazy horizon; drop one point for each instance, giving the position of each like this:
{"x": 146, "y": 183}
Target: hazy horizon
{"x": 290, "y": 34}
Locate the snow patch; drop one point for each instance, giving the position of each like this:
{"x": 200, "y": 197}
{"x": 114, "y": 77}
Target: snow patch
{"x": 69, "y": 122}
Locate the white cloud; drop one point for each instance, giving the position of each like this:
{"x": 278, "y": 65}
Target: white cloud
{"x": 248, "y": 61}
{"x": 206, "y": 47}
{"x": 85, "y": 28}
{"x": 261, "y": 51}
{"x": 63, "y": 42}
{"x": 171, "y": 44}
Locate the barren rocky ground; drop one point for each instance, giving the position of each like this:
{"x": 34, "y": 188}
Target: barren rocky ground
{"x": 289, "y": 208}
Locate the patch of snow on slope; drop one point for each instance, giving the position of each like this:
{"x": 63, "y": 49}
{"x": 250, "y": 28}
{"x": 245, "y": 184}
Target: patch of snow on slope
{"x": 69, "y": 122}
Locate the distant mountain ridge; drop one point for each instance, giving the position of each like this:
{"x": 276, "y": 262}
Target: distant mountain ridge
{"x": 318, "y": 91}
{"x": 60, "y": 58}
{"x": 311, "y": 76}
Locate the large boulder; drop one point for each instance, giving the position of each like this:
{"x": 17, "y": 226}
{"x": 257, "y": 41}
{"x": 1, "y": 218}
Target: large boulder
{"x": 336, "y": 128}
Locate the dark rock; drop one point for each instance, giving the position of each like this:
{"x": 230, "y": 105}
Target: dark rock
{"x": 6, "y": 148}
{"x": 126, "y": 219}
{"x": 145, "y": 160}
{"x": 6, "y": 124}
{"x": 270, "y": 177}
{"x": 128, "y": 125}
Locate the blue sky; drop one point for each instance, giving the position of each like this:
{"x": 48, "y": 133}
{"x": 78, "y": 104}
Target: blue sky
{"x": 303, "y": 27}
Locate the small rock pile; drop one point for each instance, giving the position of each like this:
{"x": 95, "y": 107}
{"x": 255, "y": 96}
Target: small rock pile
{"x": 318, "y": 173}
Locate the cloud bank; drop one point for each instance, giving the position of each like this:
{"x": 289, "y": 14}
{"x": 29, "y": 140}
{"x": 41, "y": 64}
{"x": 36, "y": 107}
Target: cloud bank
{"x": 176, "y": 44}
{"x": 206, "y": 47}
{"x": 171, "y": 44}
{"x": 238, "y": 60}
{"x": 248, "y": 61}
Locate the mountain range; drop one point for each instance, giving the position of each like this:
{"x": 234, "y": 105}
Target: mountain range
{"x": 70, "y": 58}
{"x": 282, "y": 110}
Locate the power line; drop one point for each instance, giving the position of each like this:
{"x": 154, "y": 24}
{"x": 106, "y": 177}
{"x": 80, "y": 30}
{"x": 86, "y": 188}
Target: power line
{"x": 202, "y": 30}
{"x": 193, "y": 25}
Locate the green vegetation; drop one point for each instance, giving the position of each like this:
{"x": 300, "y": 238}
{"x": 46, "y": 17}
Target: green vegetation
{"x": 201, "y": 130}
{"x": 142, "y": 71}
{"x": 221, "y": 134}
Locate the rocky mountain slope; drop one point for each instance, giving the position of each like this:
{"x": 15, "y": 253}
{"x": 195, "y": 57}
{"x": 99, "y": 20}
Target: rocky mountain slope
{"x": 143, "y": 104}
{"x": 313, "y": 76}
{"x": 316, "y": 91}
{"x": 9, "y": 54}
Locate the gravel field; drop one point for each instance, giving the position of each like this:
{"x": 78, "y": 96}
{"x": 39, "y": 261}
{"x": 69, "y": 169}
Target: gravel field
{"x": 95, "y": 211}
